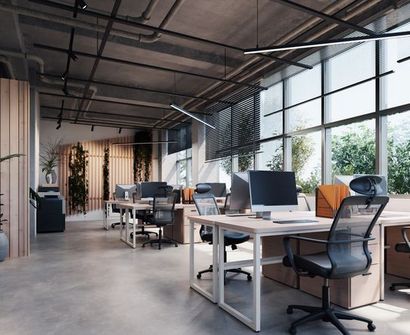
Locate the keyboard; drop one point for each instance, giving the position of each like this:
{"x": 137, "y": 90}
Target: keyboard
{"x": 232, "y": 215}
{"x": 284, "y": 221}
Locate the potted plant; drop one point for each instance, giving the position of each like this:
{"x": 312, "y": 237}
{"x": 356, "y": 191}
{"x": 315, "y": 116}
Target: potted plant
{"x": 49, "y": 161}
{"x": 4, "y": 241}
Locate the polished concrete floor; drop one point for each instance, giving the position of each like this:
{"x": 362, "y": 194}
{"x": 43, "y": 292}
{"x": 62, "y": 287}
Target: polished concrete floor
{"x": 85, "y": 281}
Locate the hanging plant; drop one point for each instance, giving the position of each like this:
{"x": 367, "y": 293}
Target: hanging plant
{"x": 142, "y": 156}
{"x": 77, "y": 181}
{"x": 106, "y": 174}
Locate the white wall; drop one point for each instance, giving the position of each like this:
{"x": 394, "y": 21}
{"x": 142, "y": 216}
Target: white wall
{"x": 72, "y": 133}
{"x": 34, "y": 152}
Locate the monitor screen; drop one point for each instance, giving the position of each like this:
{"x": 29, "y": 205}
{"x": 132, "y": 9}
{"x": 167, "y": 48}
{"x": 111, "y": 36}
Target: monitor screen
{"x": 152, "y": 188}
{"x": 125, "y": 191}
{"x": 272, "y": 191}
{"x": 240, "y": 191}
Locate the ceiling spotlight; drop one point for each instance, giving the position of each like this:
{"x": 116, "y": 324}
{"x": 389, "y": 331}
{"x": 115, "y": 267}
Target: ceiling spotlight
{"x": 64, "y": 76}
{"x": 82, "y": 4}
{"x": 119, "y": 130}
{"x": 180, "y": 109}
{"x": 92, "y": 128}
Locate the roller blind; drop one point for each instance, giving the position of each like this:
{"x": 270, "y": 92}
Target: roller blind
{"x": 183, "y": 136}
{"x": 237, "y": 129}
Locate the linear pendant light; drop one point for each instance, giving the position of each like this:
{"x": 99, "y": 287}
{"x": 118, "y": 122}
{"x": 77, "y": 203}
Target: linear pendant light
{"x": 180, "y": 109}
{"x": 318, "y": 44}
{"x": 152, "y": 142}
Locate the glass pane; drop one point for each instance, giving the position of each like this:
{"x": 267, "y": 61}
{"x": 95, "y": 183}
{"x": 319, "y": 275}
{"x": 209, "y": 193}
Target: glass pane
{"x": 306, "y": 160}
{"x": 354, "y": 149}
{"x": 270, "y": 156}
{"x": 304, "y": 116}
{"x": 395, "y": 86}
{"x": 351, "y": 66}
{"x": 225, "y": 171}
{"x": 398, "y": 148}
{"x": 355, "y": 101}
{"x": 271, "y": 101}
{"x": 304, "y": 86}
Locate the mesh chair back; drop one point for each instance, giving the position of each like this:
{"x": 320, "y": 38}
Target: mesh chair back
{"x": 354, "y": 221}
{"x": 205, "y": 204}
{"x": 164, "y": 209}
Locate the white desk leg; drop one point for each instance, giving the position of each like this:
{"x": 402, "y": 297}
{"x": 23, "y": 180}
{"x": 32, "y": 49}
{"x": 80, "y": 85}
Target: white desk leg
{"x": 127, "y": 225}
{"x": 191, "y": 253}
{"x": 219, "y": 266}
{"x": 381, "y": 262}
{"x": 134, "y": 226}
{"x": 121, "y": 223}
{"x": 257, "y": 281}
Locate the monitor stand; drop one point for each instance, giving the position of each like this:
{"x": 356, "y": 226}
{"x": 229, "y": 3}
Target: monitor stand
{"x": 264, "y": 215}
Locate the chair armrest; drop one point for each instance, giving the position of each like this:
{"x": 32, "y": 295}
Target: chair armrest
{"x": 404, "y": 233}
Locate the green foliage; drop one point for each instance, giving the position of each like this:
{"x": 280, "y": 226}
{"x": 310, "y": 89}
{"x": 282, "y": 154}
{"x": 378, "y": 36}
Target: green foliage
{"x": 1, "y": 215}
{"x": 142, "y": 156}
{"x": 49, "y": 159}
{"x": 77, "y": 181}
{"x": 106, "y": 174}
{"x": 354, "y": 152}
{"x": 4, "y": 158}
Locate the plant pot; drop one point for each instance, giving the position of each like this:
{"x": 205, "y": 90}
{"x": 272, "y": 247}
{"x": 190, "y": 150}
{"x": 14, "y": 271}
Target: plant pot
{"x": 51, "y": 178}
{"x": 4, "y": 246}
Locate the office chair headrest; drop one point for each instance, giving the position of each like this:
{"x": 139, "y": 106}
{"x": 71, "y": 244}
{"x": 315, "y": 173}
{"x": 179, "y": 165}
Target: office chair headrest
{"x": 202, "y": 188}
{"x": 367, "y": 185}
{"x": 298, "y": 189}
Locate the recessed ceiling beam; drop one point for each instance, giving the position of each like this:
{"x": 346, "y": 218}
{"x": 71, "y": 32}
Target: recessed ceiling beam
{"x": 111, "y": 101}
{"x": 113, "y": 114}
{"x": 326, "y": 17}
{"x": 147, "y": 66}
{"x": 109, "y": 83}
{"x": 163, "y": 31}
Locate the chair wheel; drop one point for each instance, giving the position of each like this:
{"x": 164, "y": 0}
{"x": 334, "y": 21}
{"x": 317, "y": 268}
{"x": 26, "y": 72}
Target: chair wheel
{"x": 112, "y": 225}
{"x": 292, "y": 330}
{"x": 391, "y": 288}
{"x": 289, "y": 310}
{"x": 249, "y": 277}
{"x": 371, "y": 327}
{"x": 198, "y": 276}
{"x": 143, "y": 245}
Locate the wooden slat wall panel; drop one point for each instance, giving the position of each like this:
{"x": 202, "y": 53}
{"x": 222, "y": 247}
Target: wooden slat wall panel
{"x": 14, "y": 179}
{"x": 120, "y": 167}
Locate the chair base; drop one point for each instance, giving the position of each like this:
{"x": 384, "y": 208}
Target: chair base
{"x": 210, "y": 269}
{"x": 116, "y": 224}
{"x": 395, "y": 285}
{"x": 327, "y": 314}
{"x": 160, "y": 240}
{"x": 143, "y": 232}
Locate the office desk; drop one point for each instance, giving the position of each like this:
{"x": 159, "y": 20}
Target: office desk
{"x": 108, "y": 211}
{"x": 258, "y": 228}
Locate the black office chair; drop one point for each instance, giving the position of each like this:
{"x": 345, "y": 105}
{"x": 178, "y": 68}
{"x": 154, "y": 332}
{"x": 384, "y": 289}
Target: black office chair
{"x": 402, "y": 247}
{"x": 163, "y": 214}
{"x": 347, "y": 254}
{"x": 205, "y": 204}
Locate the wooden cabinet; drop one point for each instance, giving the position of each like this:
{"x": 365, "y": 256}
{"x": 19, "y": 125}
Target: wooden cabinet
{"x": 397, "y": 263}
{"x": 179, "y": 231}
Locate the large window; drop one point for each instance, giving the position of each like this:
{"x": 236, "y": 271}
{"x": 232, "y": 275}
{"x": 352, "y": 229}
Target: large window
{"x": 271, "y": 123}
{"x": 184, "y": 168}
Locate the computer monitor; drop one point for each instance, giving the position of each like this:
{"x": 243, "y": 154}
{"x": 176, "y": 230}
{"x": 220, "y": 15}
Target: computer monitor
{"x": 272, "y": 191}
{"x": 125, "y": 191}
{"x": 240, "y": 198}
{"x": 218, "y": 189}
{"x": 152, "y": 188}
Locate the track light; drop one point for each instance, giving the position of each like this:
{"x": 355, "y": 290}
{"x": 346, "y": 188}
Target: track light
{"x": 64, "y": 76}
{"x": 318, "y": 44}
{"x": 82, "y": 4}
{"x": 92, "y": 128}
{"x": 180, "y": 109}
{"x": 119, "y": 130}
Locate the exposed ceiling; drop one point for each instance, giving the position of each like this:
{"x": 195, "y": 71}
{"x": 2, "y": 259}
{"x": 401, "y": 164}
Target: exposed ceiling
{"x": 136, "y": 57}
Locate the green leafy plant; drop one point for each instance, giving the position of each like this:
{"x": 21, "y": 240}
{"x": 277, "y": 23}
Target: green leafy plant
{"x": 2, "y": 159}
{"x": 106, "y": 174}
{"x": 142, "y": 156}
{"x": 77, "y": 181}
{"x": 49, "y": 159}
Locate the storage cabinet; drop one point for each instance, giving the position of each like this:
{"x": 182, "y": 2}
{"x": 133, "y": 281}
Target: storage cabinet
{"x": 397, "y": 263}
{"x": 179, "y": 231}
